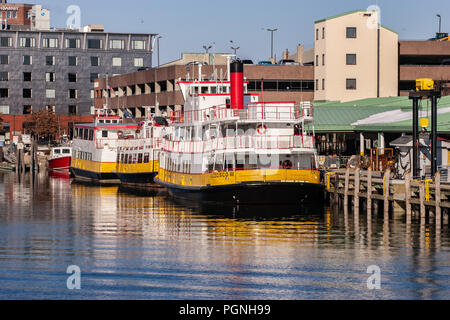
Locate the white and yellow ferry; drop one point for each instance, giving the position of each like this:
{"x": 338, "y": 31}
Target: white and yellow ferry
{"x": 228, "y": 147}
{"x": 138, "y": 159}
{"x": 94, "y": 148}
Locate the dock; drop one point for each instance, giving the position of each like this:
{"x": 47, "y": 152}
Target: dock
{"x": 353, "y": 188}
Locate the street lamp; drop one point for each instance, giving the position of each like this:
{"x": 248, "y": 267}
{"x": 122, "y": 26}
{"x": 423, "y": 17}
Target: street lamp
{"x": 234, "y": 48}
{"x": 157, "y": 39}
{"x": 271, "y": 36}
{"x": 439, "y": 16}
{"x": 207, "y": 48}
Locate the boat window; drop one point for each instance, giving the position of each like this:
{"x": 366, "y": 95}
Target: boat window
{"x": 205, "y": 90}
{"x": 140, "y": 158}
{"x": 122, "y": 157}
{"x": 56, "y": 151}
{"x": 66, "y": 151}
{"x": 104, "y": 134}
{"x": 101, "y": 121}
{"x": 126, "y": 159}
{"x": 81, "y": 134}
{"x": 76, "y": 132}
{"x": 91, "y": 135}
{"x": 107, "y": 121}
{"x": 86, "y": 134}
{"x": 213, "y": 90}
{"x": 146, "y": 158}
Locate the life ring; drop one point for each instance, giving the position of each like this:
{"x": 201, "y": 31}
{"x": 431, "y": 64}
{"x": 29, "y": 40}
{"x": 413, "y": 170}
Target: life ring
{"x": 287, "y": 164}
{"x": 119, "y": 133}
{"x": 261, "y": 129}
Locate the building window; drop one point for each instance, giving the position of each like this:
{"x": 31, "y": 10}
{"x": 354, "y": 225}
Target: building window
{"x": 27, "y": 76}
{"x": 50, "y": 60}
{"x": 72, "y": 110}
{"x": 323, "y": 33}
{"x": 94, "y": 76}
{"x": 323, "y": 84}
{"x": 317, "y": 34}
{"x": 27, "y": 109}
{"x": 351, "y": 84}
{"x": 4, "y": 109}
{"x": 95, "y": 43}
{"x": 138, "y": 44}
{"x": 5, "y": 42}
{"x": 138, "y": 62}
{"x": 27, "y": 60}
{"x": 50, "y": 93}
{"x": 72, "y": 77}
{"x": 4, "y": 59}
{"x": 50, "y": 108}
{"x": 50, "y": 77}
{"x": 92, "y": 94}
{"x": 351, "y": 59}
{"x": 323, "y": 59}
{"x": 4, "y": 92}
{"x": 73, "y": 94}
{"x": 73, "y": 61}
{"x": 27, "y": 93}
{"x": 95, "y": 61}
{"x": 117, "y": 62}
{"x": 50, "y": 42}
{"x": 27, "y": 42}
{"x": 73, "y": 43}
{"x": 317, "y": 84}
{"x": 117, "y": 44}
{"x": 4, "y": 76}
{"x": 351, "y": 32}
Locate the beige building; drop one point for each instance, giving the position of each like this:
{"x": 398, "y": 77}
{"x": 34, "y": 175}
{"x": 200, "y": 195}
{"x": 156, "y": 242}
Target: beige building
{"x": 194, "y": 58}
{"x": 354, "y": 58}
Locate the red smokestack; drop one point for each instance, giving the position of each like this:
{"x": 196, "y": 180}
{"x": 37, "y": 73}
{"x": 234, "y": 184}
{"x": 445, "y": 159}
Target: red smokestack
{"x": 237, "y": 85}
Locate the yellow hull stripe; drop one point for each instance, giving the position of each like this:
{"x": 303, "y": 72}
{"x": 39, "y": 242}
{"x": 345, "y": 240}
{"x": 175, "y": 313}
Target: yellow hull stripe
{"x": 92, "y": 166}
{"x": 152, "y": 166}
{"x": 234, "y": 177}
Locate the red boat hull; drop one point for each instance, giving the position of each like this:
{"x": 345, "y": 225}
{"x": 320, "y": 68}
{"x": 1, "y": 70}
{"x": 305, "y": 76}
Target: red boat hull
{"x": 59, "y": 163}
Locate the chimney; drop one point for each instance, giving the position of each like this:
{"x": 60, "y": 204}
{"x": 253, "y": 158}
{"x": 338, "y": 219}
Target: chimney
{"x": 300, "y": 50}
{"x": 237, "y": 85}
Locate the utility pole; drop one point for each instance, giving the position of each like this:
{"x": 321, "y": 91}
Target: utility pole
{"x": 271, "y": 41}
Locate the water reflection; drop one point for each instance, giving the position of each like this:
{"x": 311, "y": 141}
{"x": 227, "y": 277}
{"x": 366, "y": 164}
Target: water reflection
{"x": 146, "y": 245}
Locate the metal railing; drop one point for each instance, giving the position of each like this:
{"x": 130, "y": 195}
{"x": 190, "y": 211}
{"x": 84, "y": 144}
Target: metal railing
{"x": 255, "y": 142}
{"x": 256, "y": 112}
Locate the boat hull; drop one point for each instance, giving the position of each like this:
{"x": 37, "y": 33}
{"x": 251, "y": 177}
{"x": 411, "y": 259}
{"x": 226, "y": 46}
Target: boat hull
{"x": 62, "y": 163}
{"x": 270, "y": 193}
{"x": 95, "y": 177}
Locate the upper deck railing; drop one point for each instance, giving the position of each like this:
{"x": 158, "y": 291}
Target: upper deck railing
{"x": 253, "y": 112}
{"x": 255, "y": 142}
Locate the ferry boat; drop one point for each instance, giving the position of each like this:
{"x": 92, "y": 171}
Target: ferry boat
{"x": 227, "y": 147}
{"x": 95, "y": 147}
{"x": 60, "y": 158}
{"x": 138, "y": 159}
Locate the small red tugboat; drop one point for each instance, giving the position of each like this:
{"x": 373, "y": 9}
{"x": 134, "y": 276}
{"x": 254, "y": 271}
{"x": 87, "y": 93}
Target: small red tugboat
{"x": 60, "y": 158}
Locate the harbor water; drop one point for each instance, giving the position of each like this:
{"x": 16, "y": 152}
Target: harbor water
{"x": 147, "y": 246}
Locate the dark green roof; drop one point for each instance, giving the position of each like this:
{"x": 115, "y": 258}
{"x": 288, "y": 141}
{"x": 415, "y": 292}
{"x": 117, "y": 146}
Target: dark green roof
{"x": 342, "y": 117}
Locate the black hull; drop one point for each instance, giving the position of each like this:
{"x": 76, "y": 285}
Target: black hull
{"x": 251, "y": 193}
{"x": 95, "y": 177}
{"x": 137, "y": 178}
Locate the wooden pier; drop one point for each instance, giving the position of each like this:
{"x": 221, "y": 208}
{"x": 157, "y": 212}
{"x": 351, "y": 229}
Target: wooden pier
{"x": 378, "y": 190}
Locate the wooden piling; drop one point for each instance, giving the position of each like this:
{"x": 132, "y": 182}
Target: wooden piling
{"x": 346, "y": 187}
{"x": 369, "y": 192}
{"x": 408, "y": 196}
{"x": 336, "y": 188}
{"x": 357, "y": 189}
{"x": 437, "y": 183}
{"x": 387, "y": 178}
{"x": 422, "y": 200}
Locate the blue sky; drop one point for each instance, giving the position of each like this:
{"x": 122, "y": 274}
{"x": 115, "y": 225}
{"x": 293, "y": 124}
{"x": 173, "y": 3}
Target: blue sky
{"x": 189, "y": 24}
